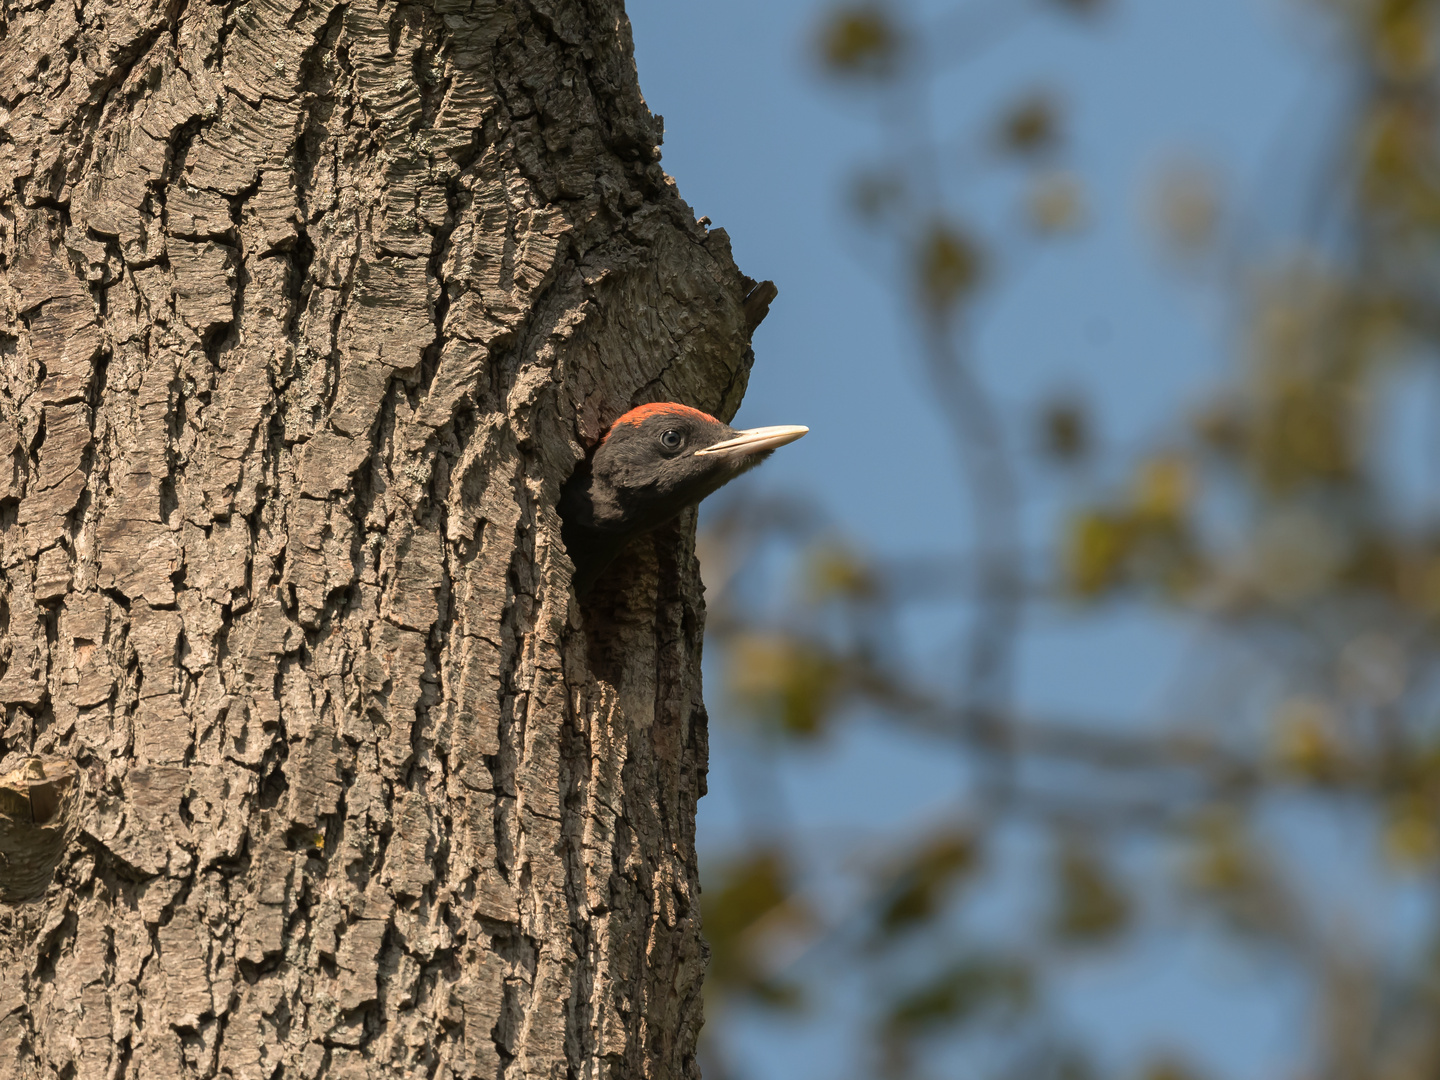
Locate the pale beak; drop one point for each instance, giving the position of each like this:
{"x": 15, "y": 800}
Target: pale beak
{"x": 755, "y": 441}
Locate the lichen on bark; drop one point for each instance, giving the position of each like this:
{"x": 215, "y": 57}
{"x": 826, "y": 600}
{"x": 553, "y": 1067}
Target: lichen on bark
{"x": 307, "y": 310}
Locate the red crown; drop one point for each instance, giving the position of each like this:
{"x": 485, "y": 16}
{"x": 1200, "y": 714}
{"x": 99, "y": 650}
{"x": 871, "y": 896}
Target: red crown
{"x": 638, "y": 415}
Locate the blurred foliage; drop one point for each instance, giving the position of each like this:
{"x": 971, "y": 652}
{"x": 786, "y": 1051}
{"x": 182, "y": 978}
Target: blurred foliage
{"x": 1147, "y": 537}
{"x": 1090, "y": 905}
{"x": 860, "y": 41}
{"x": 1233, "y": 875}
{"x": 786, "y": 682}
{"x": 838, "y": 573}
{"x": 920, "y": 887}
{"x": 1064, "y": 431}
{"x": 1269, "y": 518}
{"x": 948, "y": 266}
{"x": 750, "y": 915}
{"x": 1030, "y": 126}
{"x": 1186, "y": 207}
{"x": 1056, "y": 203}
{"x": 958, "y": 995}
{"x": 1169, "y": 1068}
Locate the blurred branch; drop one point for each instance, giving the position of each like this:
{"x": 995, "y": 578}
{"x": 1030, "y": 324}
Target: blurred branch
{"x": 963, "y": 32}
{"x": 994, "y": 501}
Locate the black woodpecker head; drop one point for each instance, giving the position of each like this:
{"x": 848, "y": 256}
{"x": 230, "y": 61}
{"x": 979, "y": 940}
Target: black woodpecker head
{"x": 653, "y": 462}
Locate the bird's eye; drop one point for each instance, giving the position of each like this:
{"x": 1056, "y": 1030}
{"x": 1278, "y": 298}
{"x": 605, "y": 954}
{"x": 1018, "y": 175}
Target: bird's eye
{"x": 671, "y": 439}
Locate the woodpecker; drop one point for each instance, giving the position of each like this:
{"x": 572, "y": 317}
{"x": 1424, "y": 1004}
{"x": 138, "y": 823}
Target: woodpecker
{"x": 651, "y": 464}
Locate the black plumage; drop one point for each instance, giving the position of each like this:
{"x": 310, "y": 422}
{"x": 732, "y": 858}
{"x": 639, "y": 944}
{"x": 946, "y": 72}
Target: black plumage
{"x": 652, "y": 463}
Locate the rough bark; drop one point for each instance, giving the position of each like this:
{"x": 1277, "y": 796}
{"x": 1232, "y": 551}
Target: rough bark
{"x": 314, "y": 763}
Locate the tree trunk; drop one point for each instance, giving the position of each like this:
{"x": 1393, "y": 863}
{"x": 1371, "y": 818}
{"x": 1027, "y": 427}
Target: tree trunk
{"x": 314, "y": 765}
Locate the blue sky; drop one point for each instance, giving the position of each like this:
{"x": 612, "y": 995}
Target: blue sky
{"x": 759, "y": 143}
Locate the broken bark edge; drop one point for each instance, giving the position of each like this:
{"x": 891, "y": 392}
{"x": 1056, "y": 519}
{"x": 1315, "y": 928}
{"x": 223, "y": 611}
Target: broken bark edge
{"x": 37, "y": 814}
{"x": 757, "y": 304}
